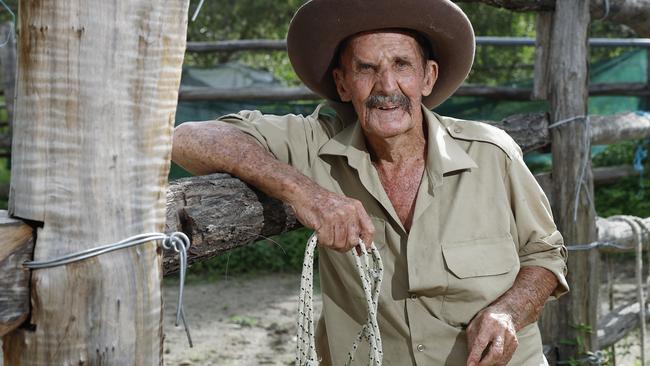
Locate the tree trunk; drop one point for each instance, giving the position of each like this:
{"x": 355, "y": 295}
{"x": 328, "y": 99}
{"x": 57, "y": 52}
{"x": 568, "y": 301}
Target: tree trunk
{"x": 572, "y": 173}
{"x": 96, "y": 96}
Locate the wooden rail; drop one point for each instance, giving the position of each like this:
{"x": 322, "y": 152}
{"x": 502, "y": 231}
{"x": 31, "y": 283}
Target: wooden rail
{"x": 302, "y": 93}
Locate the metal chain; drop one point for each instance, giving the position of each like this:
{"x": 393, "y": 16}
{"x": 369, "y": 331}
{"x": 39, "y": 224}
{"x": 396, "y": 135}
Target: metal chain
{"x": 177, "y": 242}
{"x": 371, "y": 275}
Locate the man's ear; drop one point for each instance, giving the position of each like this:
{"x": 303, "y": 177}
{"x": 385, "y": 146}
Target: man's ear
{"x": 339, "y": 80}
{"x": 430, "y": 77}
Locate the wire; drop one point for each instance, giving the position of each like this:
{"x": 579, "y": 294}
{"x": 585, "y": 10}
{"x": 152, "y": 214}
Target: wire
{"x": 177, "y": 242}
{"x": 13, "y": 24}
{"x": 196, "y": 12}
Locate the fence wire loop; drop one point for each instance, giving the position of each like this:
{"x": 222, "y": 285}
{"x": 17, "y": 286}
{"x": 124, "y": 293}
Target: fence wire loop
{"x": 595, "y": 245}
{"x": 584, "y": 159}
{"x": 12, "y": 31}
{"x": 198, "y": 10}
{"x": 606, "y": 12}
{"x": 177, "y": 242}
{"x": 640, "y": 230}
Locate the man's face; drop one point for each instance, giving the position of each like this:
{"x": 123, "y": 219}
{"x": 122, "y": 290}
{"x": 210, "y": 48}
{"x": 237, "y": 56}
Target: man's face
{"x": 385, "y": 76}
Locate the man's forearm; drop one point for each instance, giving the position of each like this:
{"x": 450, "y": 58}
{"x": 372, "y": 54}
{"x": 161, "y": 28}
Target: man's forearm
{"x": 210, "y": 147}
{"x": 525, "y": 300}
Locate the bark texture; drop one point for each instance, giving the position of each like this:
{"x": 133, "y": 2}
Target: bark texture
{"x": 97, "y": 89}
{"x": 16, "y": 247}
{"x": 618, "y": 323}
{"x": 219, "y": 212}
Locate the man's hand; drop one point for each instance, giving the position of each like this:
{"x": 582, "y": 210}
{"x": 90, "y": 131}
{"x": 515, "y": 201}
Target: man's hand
{"x": 339, "y": 221}
{"x": 492, "y": 334}
{"x": 491, "y": 338}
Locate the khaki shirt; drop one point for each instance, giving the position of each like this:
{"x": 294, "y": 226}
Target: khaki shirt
{"x": 479, "y": 216}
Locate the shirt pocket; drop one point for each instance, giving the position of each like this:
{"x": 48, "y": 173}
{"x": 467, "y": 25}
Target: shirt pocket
{"x": 478, "y": 272}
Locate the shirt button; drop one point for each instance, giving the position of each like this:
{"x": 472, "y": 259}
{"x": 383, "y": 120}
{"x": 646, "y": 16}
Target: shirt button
{"x": 420, "y": 347}
{"x": 458, "y": 129}
{"x": 414, "y": 296}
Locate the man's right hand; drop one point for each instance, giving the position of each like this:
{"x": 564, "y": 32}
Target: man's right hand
{"x": 339, "y": 221}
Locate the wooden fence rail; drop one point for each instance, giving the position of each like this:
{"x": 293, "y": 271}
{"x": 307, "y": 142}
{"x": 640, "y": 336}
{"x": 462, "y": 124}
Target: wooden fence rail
{"x": 302, "y": 93}
{"x": 625, "y": 12}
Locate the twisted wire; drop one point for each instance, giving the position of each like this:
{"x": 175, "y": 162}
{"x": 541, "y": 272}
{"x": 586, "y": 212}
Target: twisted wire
{"x": 639, "y": 229}
{"x": 585, "y": 158}
{"x": 177, "y": 242}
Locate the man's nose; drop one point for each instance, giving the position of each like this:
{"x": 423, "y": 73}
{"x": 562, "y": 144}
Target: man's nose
{"x": 386, "y": 82}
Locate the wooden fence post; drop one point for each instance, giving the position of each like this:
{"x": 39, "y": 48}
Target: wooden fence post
{"x": 572, "y": 169}
{"x": 96, "y": 90}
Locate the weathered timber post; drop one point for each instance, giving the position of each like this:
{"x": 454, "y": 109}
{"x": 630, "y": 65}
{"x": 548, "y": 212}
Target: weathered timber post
{"x": 568, "y": 60}
{"x": 16, "y": 247}
{"x": 96, "y": 94}
{"x": 548, "y": 321}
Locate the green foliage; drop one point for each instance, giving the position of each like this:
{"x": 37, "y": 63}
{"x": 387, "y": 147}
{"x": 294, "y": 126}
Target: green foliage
{"x": 269, "y": 19}
{"x": 243, "y": 321}
{"x": 500, "y": 64}
{"x": 283, "y": 253}
{"x": 244, "y": 19}
{"x": 629, "y": 195}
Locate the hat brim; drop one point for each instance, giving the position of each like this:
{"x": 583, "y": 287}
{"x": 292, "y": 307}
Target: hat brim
{"x": 320, "y": 25}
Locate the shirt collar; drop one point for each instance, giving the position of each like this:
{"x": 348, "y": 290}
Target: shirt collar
{"x": 444, "y": 154}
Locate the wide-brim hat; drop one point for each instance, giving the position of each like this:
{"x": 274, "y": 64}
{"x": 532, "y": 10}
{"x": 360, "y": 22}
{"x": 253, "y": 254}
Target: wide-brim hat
{"x": 319, "y": 26}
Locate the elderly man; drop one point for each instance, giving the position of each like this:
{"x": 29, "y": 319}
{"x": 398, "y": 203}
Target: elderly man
{"x": 470, "y": 250}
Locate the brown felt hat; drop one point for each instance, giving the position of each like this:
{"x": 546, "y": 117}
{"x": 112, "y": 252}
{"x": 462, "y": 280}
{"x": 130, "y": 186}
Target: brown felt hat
{"x": 319, "y": 26}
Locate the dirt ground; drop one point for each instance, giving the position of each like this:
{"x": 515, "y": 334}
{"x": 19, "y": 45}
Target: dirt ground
{"x": 235, "y": 322}
{"x": 251, "y": 321}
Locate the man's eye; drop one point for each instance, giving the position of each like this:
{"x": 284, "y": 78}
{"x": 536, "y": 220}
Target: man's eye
{"x": 402, "y": 65}
{"x": 365, "y": 68}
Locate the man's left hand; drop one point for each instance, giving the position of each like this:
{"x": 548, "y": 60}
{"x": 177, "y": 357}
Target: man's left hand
{"x": 492, "y": 333}
{"x": 491, "y": 337}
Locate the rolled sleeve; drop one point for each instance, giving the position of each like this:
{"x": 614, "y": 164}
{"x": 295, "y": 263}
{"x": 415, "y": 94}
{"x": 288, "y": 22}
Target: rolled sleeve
{"x": 540, "y": 243}
{"x": 292, "y": 139}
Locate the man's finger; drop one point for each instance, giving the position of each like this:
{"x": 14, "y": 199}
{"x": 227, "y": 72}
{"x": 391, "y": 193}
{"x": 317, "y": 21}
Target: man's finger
{"x": 353, "y": 235}
{"x": 495, "y": 353}
{"x": 366, "y": 228}
{"x": 476, "y": 350}
{"x": 325, "y": 236}
{"x": 340, "y": 237}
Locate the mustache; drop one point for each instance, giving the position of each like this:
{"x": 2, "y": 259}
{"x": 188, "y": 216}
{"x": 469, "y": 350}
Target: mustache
{"x": 398, "y": 99}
